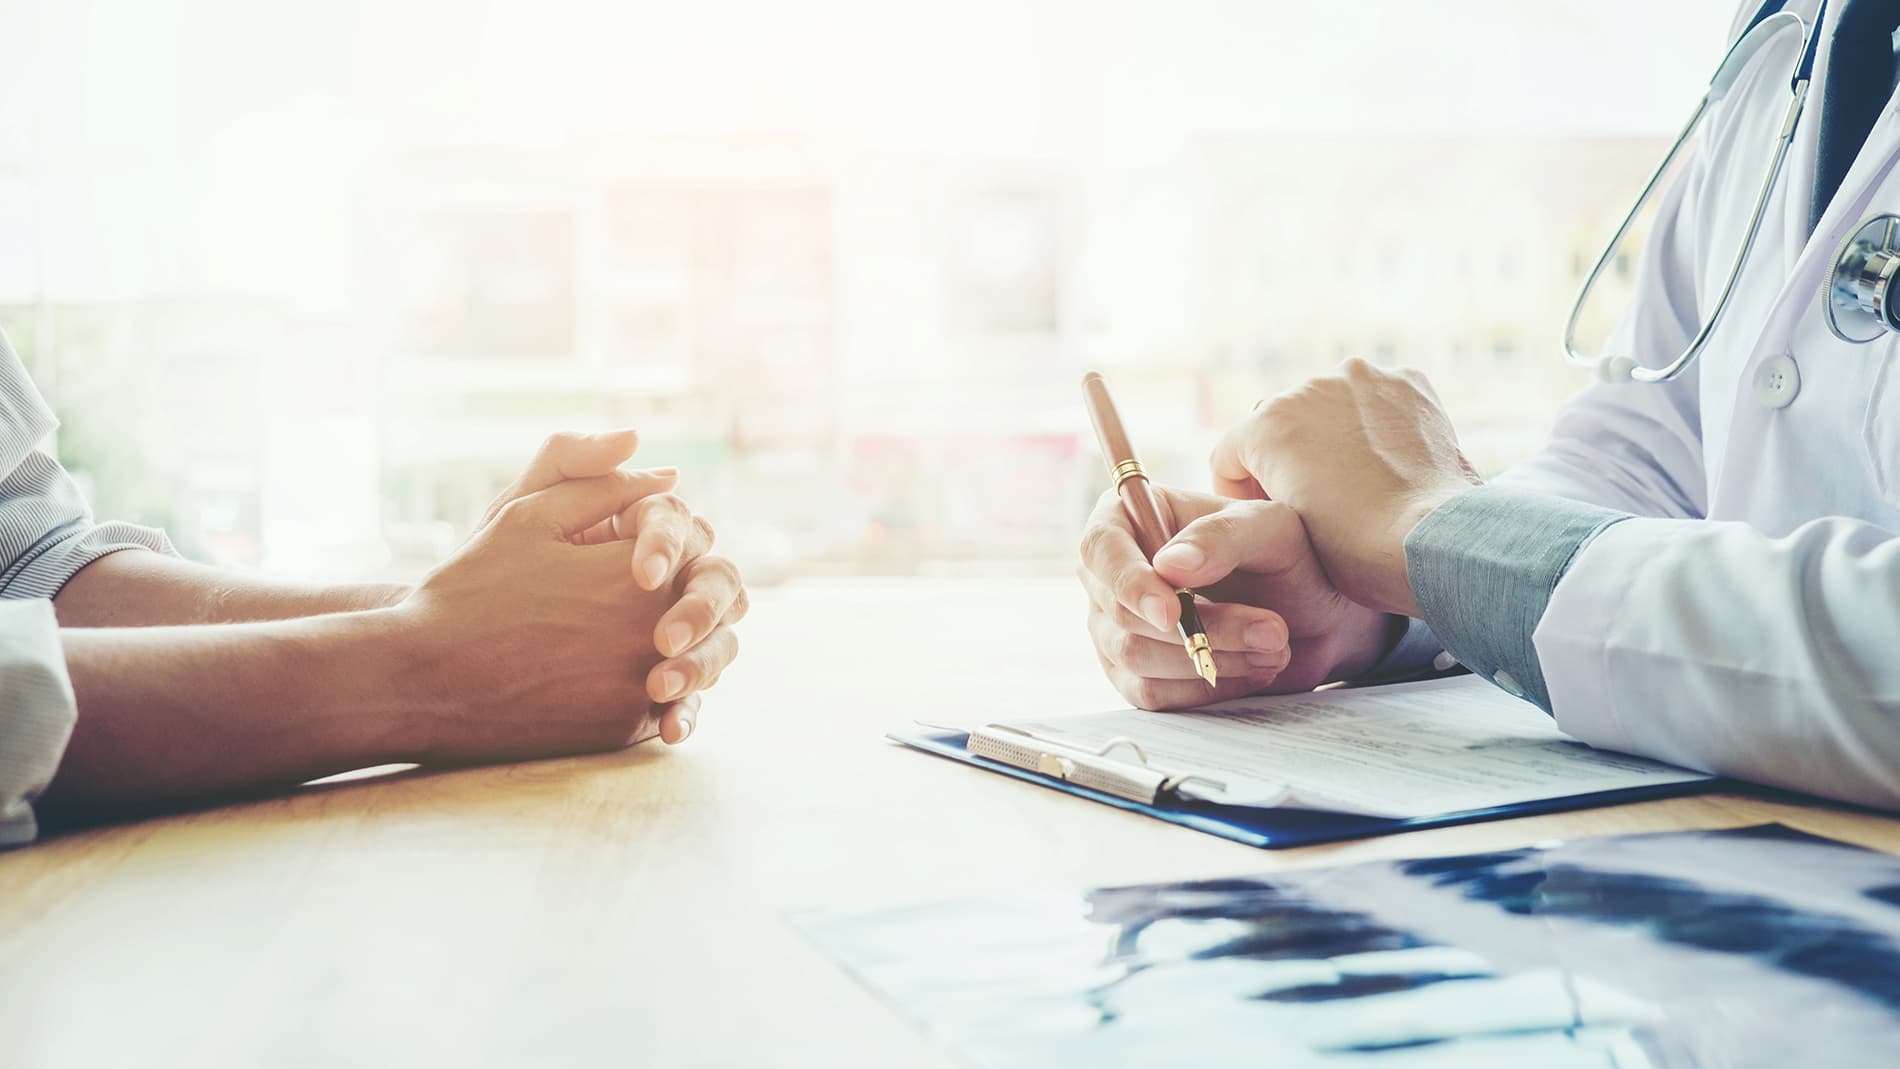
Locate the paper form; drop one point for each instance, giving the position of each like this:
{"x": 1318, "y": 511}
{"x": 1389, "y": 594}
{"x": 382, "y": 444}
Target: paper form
{"x": 1411, "y": 749}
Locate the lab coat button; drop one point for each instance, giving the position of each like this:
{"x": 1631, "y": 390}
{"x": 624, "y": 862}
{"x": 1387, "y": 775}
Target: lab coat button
{"x": 1777, "y": 381}
{"x": 1508, "y": 683}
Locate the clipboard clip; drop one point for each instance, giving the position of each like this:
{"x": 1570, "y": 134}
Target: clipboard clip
{"x": 1099, "y": 769}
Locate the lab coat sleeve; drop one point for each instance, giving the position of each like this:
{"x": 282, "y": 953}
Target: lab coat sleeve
{"x": 1702, "y": 643}
{"x": 1711, "y": 645}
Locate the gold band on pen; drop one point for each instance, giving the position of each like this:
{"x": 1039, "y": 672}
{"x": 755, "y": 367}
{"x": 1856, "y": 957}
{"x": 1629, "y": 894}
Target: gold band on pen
{"x": 1127, "y": 470}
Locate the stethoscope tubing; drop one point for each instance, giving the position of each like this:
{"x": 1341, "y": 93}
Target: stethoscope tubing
{"x": 1625, "y": 367}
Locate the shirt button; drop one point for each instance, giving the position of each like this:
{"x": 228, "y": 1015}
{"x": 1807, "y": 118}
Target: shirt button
{"x": 1777, "y": 381}
{"x": 1508, "y": 683}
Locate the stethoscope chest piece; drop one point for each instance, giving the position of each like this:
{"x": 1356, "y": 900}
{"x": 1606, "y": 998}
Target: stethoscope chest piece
{"x": 1859, "y": 296}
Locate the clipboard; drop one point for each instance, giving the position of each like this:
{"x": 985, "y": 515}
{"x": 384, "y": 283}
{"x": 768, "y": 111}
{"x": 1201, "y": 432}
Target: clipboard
{"x": 1270, "y": 829}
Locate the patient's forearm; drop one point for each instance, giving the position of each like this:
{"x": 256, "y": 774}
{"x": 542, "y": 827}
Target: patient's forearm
{"x": 167, "y": 712}
{"x": 139, "y": 589}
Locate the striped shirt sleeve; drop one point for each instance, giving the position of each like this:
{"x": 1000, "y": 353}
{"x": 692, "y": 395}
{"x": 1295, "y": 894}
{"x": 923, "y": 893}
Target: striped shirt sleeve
{"x": 47, "y": 535}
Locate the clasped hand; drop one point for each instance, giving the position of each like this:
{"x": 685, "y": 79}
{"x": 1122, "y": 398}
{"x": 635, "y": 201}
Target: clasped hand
{"x": 583, "y": 614}
{"x": 1301, "y": 555}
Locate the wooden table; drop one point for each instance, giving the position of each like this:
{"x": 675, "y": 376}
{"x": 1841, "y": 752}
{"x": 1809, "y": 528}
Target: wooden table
{"x": 626, "y": 909}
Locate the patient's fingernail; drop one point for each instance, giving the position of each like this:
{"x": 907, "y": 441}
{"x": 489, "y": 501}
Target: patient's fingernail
{"x": 686, "y": 729}
{"x": 1263, "y": 636}
{"x": 677, "y": 636}
{"x": 671, "y": 683}
{"x": 653, "y": 569}
{"x": 1182, "y": 555}
{"x": 1154, "y": 609}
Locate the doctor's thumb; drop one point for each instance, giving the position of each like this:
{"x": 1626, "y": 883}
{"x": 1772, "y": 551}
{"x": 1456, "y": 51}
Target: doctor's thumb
{"x": 1246, "y": 535}
{"x": 1203, "y": 552}
{"x": 1179, "y": 560}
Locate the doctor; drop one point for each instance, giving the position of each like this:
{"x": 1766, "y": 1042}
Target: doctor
{"x": 1703, "y": 563}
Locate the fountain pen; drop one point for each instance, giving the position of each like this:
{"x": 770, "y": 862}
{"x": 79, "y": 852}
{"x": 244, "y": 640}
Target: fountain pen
{"x": 1144, "y": 511}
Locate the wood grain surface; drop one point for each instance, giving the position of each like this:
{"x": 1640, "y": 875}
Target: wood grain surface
{"x": 627, "y": 909}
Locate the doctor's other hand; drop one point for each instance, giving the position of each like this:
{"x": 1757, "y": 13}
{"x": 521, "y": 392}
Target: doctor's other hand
{"x": 670, "y": 547}
{"x": 1362, "y": 456}
{"x": 1274, "y": 621}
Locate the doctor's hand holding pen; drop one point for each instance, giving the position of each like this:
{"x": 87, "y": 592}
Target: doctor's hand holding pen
{"x": 1274, "y": 620}
{"x": 1303, "y": 554}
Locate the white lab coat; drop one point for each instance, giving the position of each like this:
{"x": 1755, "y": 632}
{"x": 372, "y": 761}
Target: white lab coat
{"x": 1749, "y": 623}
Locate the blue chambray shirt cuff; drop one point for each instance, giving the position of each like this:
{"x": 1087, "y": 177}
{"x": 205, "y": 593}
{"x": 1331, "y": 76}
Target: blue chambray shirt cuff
{"x": 37, "y": 712}
{"x": 1482, "y": 567}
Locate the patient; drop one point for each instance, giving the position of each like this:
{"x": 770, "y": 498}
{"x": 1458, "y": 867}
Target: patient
{"x": 584, "y": 614}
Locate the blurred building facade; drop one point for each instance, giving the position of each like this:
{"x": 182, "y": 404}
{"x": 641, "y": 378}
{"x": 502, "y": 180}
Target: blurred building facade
{"x": 860, "y": 360}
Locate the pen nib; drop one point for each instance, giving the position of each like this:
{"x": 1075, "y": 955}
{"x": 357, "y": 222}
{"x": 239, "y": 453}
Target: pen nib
{"x": 1203, "y": 659}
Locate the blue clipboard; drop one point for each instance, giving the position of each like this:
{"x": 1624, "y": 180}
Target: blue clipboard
{"x": 1278, "y": 829}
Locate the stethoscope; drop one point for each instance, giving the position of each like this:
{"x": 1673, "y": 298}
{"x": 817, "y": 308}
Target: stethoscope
{"x": 1861, "y": 304}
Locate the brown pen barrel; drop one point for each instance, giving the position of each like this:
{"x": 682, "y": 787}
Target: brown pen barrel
{"x": 1144, "y": 512}
{"x": 1131, "y": 482}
